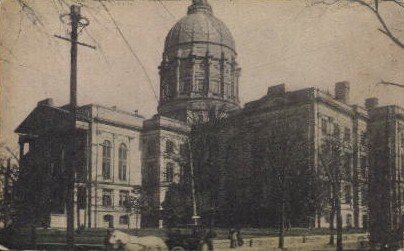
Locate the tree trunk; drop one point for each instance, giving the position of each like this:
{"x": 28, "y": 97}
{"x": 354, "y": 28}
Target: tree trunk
{"x": 318, "y": 219}
{"x": 339, "y": 223}
{"x": 33, "y": 236}
{"x": 281, "y": 242}
{"x": 332, "y": 218}
{"x": 78, "y": 213}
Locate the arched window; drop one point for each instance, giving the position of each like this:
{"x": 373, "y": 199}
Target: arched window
{"x": 106, "y": 160}
{"x": 122, "y": 164}
{"x": 169, "y": 174}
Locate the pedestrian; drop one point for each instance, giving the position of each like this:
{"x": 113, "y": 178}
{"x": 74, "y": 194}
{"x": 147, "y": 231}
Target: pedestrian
{"x": 210, "y": 235}
{"x": 240, "y": 241}
{"x": 234, "y": 238}
{"x": 231, "y": 238}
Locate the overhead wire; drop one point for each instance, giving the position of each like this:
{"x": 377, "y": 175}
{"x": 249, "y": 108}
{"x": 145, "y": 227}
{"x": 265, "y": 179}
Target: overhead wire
{"x": 130, "y": 49}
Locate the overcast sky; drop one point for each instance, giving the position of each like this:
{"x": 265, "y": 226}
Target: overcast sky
{"x": 277, "y": 42}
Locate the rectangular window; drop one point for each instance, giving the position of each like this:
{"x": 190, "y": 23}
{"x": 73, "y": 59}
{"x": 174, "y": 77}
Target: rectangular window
{"x": 363, "y": 196}
{"x": 347, "y": 167}
{"x": 336, "y": 131}
{"x": 123, "y": 198}
{"x": 124, "y": 220}
{"x": 81, "y": 197}
{"x": 122, "y": 164}
{"x": 169, "y": 147}
{"x": 324, "y": 126}
{"x": 347, "y": 193}
{"x": 347, "y": 134}
{"x": 107, "y": 198}
{"x": 169, "y": 174}
{"x": 363, "y": 166}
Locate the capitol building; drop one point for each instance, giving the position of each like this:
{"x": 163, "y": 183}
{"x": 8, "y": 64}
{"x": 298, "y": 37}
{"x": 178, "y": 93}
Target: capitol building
{"x": 244, "y": 147}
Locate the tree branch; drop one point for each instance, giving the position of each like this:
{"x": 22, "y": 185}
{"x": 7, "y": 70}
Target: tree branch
{"x": 386, "y": 31}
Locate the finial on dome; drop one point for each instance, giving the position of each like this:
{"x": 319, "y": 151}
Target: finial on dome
{"x": 200, "y": 6}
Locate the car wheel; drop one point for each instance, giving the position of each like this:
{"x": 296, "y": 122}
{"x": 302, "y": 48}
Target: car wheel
{"x": 178, "y": 248}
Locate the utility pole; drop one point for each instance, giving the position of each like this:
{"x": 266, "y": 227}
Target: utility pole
{"x": 76, "y": 21}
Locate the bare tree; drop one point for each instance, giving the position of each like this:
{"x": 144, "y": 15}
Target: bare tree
{"x": 285, "y": 166}
{"x": 9, "y": 171}
{"x": 331, "y": 169}
{"x": 375, "y": 7}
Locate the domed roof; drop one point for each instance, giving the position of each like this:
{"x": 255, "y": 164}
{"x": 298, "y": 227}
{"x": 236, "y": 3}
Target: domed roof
{"x": 199, "y": 26}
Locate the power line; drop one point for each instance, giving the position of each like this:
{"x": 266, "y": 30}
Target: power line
{"x": 130, "y": 49}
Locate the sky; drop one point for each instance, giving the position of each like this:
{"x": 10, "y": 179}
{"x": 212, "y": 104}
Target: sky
{"x": 278, "y": 41}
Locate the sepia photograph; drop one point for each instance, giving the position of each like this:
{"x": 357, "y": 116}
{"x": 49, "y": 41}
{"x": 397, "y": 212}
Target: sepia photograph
{"x": 196, "y": 125}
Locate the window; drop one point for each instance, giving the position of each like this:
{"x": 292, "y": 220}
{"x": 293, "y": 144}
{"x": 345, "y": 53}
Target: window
{"x": 349, "y": 221}
{"x": 106, "y": 160}
{"x": 336, "y": 131}
{"x": 109, "y": 219}
{"x": 183, "y": 151}
{"x": 365, "y": 221}
{"x": 347, "y": 193}
{"x": 107, "y": 198}
{"x": 347, "y": 134}
{"x": 169, "y": 147}
{"x": 324, "y": 126}
{"x": 347, "y": 167}
{"x": 169, "y": 174}
{"x": 363, "y": 196}
{"x": 123, "y": 198}
{"x": 123, "y": 155}
{"x": 81, "y": 197}
{"x": 363, "y": 166}
{"x": 199, "y": 85}
{"x": 124, "y": 220}
{"x": 363, "y": 139}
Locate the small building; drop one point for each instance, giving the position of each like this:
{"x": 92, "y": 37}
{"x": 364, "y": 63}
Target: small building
{"x": 107, "y": 162}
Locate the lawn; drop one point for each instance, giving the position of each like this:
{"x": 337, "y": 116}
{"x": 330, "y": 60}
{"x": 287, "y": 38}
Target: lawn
{"x": 22, "y": 238}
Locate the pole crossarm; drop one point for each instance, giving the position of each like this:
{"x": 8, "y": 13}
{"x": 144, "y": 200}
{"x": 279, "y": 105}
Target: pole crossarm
{"x": 79, "y": 43}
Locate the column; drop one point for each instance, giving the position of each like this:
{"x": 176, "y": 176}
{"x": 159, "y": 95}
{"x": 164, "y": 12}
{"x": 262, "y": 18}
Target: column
{"x": 222, "y": 61}
{"x": 178, "y": 77}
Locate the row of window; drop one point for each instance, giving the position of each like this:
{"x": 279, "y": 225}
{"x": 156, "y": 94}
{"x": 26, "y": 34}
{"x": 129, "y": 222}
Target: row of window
{"x": 336, "y": 130}
{"x": 108, "y": 198}
{"x": 169, "y": 148}
{"x": 106, "y": 161}
{"x": 109, "y": 219}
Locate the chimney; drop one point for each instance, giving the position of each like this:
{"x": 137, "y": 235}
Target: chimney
{"x": 276, "y": 90}
{"x": 371, "y": 103}
{"x": 47, "y": 102}
{"x": 342, "y": 92}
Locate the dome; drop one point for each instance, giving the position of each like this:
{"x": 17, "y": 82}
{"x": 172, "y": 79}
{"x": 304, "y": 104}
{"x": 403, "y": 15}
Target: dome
{"x": 199, "y": 26}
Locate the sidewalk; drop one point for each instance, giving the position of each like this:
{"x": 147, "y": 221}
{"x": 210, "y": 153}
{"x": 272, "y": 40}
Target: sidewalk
{"x": 316, "y": 242}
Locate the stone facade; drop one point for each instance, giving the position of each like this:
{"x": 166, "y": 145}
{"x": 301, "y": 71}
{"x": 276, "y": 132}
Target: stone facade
{"x": 164, "y": 143}
{"x": 386, "y": 133}
{"x": 291, "y": 128}
{"x": 241, "y": 153}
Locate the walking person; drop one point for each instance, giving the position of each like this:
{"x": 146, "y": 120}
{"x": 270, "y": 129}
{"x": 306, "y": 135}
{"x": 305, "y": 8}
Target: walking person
{"x": 234, "y": 238}
{"x": 240, "y": 241}
{"x": 231, "y": 238}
